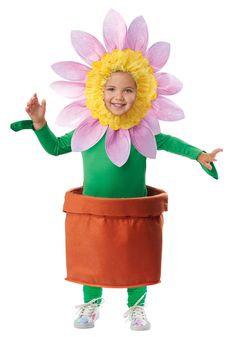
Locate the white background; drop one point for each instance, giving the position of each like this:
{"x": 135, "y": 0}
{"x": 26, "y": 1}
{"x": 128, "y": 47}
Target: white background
{"x": 197, "y": 293}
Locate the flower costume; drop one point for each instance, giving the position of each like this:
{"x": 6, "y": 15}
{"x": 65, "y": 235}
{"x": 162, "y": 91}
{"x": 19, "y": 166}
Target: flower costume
{"x": 127, "y": 52}
{"x": 114, "y": 222}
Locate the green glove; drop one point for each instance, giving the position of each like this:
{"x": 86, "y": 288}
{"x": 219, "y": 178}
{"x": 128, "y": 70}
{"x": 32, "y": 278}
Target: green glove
{"x": 213, "y": 173}
{"x": 22, "y": 125}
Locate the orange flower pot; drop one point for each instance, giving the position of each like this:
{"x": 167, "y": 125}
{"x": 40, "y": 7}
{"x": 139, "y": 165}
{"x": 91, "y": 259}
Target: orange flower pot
{"x": 114, "y": 242}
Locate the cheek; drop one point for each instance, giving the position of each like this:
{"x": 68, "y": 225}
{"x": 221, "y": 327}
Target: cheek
{"x": 132, "y": 100}
{"x": 106, "y": 97}
{"x": 106, "y": 100}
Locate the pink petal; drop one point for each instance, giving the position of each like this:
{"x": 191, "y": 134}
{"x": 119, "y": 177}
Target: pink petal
{"x": 114, "y": 31}
{"x": 166, "y": 110}
{"x": 87, "y": 46}
{"x": 143, "y": 139}
{"x": 118, "y": 146}
{"x": 73, "y": 114}
{"x": 87, "y": 134}
{"x": 158, "y": 54}
{"x": 137, "y": 36}
{"x": 71, "y": 71}
{"x": 152, "y": 121}
{"x": 168, "y": 84}
{"x": 68, "y": 89}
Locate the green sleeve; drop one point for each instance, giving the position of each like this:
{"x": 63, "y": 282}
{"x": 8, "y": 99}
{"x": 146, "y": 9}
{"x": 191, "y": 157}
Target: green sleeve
{"x": 51, "y": 144}
{"x": 178, "y": 146}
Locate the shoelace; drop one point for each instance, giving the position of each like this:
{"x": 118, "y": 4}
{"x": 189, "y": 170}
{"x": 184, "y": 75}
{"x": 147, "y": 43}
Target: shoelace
{"x": 138, "y": 312}
{"x": 87, "y": 308}
{"x": 135, "y": 310}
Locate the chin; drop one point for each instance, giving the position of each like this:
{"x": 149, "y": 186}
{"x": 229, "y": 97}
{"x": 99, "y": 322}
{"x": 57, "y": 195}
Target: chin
{"x": 118, "y": 113}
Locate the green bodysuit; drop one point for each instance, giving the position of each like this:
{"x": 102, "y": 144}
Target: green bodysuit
{"x": 104, "y": 179}
{"x": 101, "y": 177}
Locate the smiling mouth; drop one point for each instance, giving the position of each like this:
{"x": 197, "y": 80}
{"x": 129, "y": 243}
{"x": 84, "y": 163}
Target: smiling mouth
{"x": 118, "y": 105}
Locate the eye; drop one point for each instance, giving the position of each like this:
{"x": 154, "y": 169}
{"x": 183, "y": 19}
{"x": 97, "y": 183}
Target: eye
{"x": 129, "y": 90}
{"x": 110, "y": 89}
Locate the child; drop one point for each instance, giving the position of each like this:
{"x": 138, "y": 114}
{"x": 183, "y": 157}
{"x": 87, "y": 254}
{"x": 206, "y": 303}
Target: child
{"x": 114, "y": 238}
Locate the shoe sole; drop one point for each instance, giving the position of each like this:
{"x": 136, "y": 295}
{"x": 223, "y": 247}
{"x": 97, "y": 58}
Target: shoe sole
{"x": 88, "y": 326}
{"x": 142, "y": 328}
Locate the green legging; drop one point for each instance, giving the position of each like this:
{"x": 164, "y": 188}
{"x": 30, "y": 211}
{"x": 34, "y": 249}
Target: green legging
{"x": 134, "y": 294}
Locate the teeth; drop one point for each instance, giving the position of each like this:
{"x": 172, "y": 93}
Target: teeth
{"x": 117, "y": 104}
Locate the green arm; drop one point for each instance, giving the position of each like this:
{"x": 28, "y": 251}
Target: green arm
{"x": 51, "y": 144}
{"x": 61, "y": 145}
{"x": 178, "y": 146}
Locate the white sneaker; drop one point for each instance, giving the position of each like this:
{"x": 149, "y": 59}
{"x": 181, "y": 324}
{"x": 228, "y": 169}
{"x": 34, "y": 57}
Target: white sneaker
{"x": 137, "y": 316}
{"x": 88, "y": 313}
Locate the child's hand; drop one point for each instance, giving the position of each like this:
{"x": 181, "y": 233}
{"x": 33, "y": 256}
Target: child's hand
{"x": 36, "y": 111}
{"x": 206, "y": 158}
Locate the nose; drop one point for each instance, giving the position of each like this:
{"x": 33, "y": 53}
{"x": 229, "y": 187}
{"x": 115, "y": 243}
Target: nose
{"x": 119, "y": 95}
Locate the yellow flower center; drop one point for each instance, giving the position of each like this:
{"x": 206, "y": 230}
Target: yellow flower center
{"x": 138, "y": 66}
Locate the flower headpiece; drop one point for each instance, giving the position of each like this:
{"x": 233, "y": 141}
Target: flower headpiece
{"x": 126, "y": 51}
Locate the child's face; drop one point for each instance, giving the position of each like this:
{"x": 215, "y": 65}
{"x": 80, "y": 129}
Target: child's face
{"x": 119, "y": 93}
